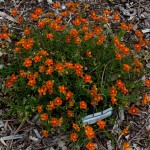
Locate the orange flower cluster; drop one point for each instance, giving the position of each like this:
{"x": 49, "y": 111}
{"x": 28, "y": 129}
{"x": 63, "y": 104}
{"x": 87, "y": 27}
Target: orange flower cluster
{"x": 9, "y": 82}
{"x": 121, "y": 86}
{"x": 113, "y": 93}
{"x": 36, "y": 14}
{"x": 95, "y": 97}
{"x": 101, "y": 39}
{"x": 31, "y": 77}
{"x": 146, "y": 99}
{"x": 48, "y": 87}
{"x": 74, "y": 137}
{"x": 125, "y": 131}
{"x": 89, "y": 132}
{"x": 134, "y": 110}
{"x": 137, "y": 64}
{"x": 101, "y": 124}
{"x": 126, "y": 27}
{"x": 121, "y": 47}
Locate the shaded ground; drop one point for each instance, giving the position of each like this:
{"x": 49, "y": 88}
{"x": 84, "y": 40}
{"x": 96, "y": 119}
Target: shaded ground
{"x": 30, "y": 137}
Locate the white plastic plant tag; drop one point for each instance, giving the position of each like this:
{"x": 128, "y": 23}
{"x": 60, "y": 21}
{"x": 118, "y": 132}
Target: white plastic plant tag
{"x": 93, "y": 118}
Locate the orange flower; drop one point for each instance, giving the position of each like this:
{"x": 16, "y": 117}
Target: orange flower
{"x": 62, "y": 89}
{"x": 51, "y": 105}
{"x": 27, "y": 62}
{"x": 56, "y": 5}
{"x": 124, "y": 90}
{"x": 41, "y": 24}
{"x": 106, "y": 12}
{"x": 17, "y": 49}
{"x": 90, "y": 146}
{"x": 57, "y": 101}
{"x": 39, "y": 108}
{"x": 26, "y": 31}
{"x": 65, "y": 13}
{"x": 73, "y": 32}
{"x": 147, "y": 83}
{"x": 113, "y": 100}
{"x": 89, "y": 132}
{"x": 113, "y": 92}
{"x": 43, "y": 52}
{"x": 101, "y": 124}
{"x": 41, "y": 68}
{"x": 126, "y": 146}
{"x": 87, "y": 78}
{"x": 145, "y": 99}
{"x": 4, "y": 36}
{"x": 76, "y": 127}
{"x": 97, "y": 30}
{"x": 138, "y": 33}
{"x": 83, "y": 105}
{"x": 38, "y": 11}
{"x": 59, "y": 67}
{"x": 124, "y": 26}
{"x": 69, "y": 95}
{"x": 49, "y": 70}
{"x": 77, "y": 22}
{"x": 118, "y": 56}
{"x": 49, "y": 35}
{"x": 116, "y": 16}
{"x": 126, "y": 67}
{"x": 42, "y": 90}
{"x": 78, "y": 40}
{"x": 125, "y": 50}
{"x": 33, "y": 16}
{"x": 85, "y": 28}
{"x": 8, "y": 83}
{"x": 20, "y": 20}
{"x": 125, "y": 131}
{"x": 54, "y": 122}
{"x": 137, "y": 47}
{"x": 119, "y": 84}
{"x": 45, "y": 133}
{"x": 22, "y": 73}
{"x": 133, "y": 110}
{"x": 31, "y": 82}
{"x": 88, "y": 53}
{"x": 14, "y": 12}
{"x": 49, "y": 84}
{"x": 73, "y": 137}
{"x": 70, "y": 113}
{"x": 49, "y": 62}
{"x": 37, "y": 58}
{"x": 77, "y": 67}
{"x": 44, "y": 116}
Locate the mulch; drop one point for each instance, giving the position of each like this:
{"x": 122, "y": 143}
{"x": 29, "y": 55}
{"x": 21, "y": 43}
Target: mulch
{"x": 28, "y": 133}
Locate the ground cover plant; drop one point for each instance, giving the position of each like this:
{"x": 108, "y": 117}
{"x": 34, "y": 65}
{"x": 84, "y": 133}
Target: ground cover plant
{"x": 63, "y": 65}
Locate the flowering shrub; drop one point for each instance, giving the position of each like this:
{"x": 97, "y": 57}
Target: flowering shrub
{"x": 65, "y": 63}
